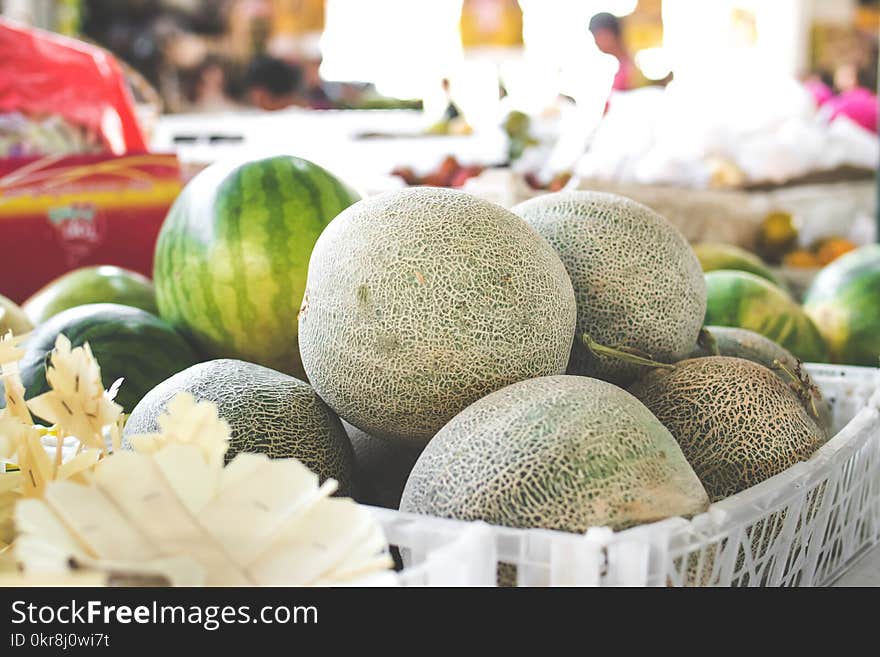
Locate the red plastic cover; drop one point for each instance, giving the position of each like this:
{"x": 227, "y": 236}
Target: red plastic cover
{"x": 42, "y": 73}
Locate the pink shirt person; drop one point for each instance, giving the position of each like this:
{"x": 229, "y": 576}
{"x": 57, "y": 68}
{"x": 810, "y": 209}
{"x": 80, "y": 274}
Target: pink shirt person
{"x": 859, "y": 105}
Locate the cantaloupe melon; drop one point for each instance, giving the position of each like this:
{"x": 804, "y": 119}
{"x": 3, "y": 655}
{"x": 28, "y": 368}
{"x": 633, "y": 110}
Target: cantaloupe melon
{"x": 421, "y": 301}
{"x": 560, "y": 452}
{"x": 637, "y": 281}
{"x": 736, "y": 421}
{"x": 381, "y": 467}
{"x": 268, "y": 412}
{"x": 743, "y": 343}
{"x": 12, "y": 318}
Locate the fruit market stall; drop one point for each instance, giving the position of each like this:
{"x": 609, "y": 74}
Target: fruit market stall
{"x": 337, "y": 348}
{"x": 641, "y": 481}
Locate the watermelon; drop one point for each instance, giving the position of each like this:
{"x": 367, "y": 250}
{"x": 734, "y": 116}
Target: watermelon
{"x": 127, "y": 342}
{"x": 738, "y": 298}
{"x": 844, "y": 302}
{"x": 714, "y": 256}
{"x": 103, "y": 284}
{"x": 232, "y": 256}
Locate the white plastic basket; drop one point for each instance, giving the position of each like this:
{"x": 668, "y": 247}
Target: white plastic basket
{"x": 802, "y": 527}
{"x": 440, "y": 552}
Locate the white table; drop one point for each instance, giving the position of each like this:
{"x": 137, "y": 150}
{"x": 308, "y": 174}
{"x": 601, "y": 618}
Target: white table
{"x": 330, "y": 138}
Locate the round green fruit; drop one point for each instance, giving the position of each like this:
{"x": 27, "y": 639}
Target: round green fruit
{"x": 103, "y": 284}
{"x": 127, "y": 342}
{"x": 268, "y": 412}
{"x": 232, "y": 256}
{"x": 736, "y": 421}
{"x": 559, "y": 452}
{"x": 637, "y": 282}
{"x": 423, "y": 300}
{"x": 738, "y": 298}
{"x": 844, "y": 302}
{"x": 743, "y": 343}
{"x": 714, "y": 256}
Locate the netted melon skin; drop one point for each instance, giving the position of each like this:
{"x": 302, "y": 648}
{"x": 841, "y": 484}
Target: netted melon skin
{"x": 743, "y": 343}
{"x": 736, "y": 422}
{"x": 421, "y": 301}
{"x": 561, "y": 452}
{"x": 637, "y": 282}
{"x": 268, "y": 412}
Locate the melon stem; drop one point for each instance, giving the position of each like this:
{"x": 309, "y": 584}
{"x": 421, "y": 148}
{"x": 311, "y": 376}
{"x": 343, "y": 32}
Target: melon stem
{"x": 803, "y": 389}
{"x": 707, "y": 341}
{"x": 621, "y": 353}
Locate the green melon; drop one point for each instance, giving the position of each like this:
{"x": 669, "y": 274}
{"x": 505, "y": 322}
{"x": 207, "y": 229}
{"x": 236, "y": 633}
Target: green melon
{"x": 12, "y": 318}
{"x": 737, "y": 298}
{"x": 232, "y": 256}
{"x": 736, "y": 422}
{"x": 714, "y": 256}
{"x": 382, "y": 467}
{"x": 268, "y": 412}
{"x": 104, "y": 284}
{"x": 743, "y": 343}
{"x": 421, "y": 301}
{"x": 560, "y": 452}
{"x": 844, "y": 302}
{"x": 637, "y": 282}
{"x": 127, "y": 342}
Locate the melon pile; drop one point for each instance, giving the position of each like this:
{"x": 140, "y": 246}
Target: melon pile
{"x": 541, "y": 367}
{"x": 503, "y": 366}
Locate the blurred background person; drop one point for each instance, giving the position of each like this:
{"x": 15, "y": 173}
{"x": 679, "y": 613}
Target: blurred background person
{"x": 608, "y": 34}
{"x": 210, "y": 87}
{"x": 855, "y": 98}
{"x": 848, "y": 92}
{"x": 272, "y": 84}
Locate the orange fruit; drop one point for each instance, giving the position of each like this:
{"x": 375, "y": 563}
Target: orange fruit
{"x": 800, "y": 258}
{"x": 832, "y": 249}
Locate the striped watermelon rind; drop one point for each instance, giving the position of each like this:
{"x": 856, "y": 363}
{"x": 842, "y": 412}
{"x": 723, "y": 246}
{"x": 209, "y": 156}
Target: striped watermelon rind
{"x": 738, "y": 298}
{"x": 127, "y": 342}
{"x": 232, "y": 256}
{"x": 844, "y": 303}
